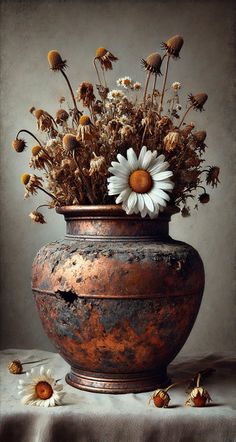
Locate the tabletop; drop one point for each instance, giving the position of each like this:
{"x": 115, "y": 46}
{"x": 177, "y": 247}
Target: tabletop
{"x": 96, "y": 417}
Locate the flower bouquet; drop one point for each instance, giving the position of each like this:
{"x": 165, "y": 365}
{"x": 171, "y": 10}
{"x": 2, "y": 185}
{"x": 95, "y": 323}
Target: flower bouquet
{"x": 132, "y": 145}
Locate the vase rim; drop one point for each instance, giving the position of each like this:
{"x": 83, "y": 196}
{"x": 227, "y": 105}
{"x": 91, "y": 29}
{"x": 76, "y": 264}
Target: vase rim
{"x": 112, "y": 210}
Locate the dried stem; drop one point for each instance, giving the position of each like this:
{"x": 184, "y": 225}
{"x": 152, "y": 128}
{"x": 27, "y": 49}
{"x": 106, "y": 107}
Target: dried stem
{"x": 146, "y": 86}
{"x": 99, "y": 79}
{"x": 71, "y": 90}
{"x": 48, "y": 193}
{"x": 36, "y": 139}
{"x": 164, "y": 83}
{"x": 187, "y": 111}
{"x": 154, "y": 86}
{"x": 84, "y": 179}
{"x": 103, "y": 73}
{"x": 198, "y": 379}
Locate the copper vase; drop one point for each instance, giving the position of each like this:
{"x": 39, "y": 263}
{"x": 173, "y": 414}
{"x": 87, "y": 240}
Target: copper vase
{"x": 118, "y": 297}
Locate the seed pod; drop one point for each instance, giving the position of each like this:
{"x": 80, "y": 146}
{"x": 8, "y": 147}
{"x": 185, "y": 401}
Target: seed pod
{"x": 173, "y": 45}
{"x": 152, "y": 63}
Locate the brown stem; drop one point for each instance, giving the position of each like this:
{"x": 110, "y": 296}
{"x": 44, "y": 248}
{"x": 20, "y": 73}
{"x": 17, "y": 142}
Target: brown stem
{"x": 187, "y": 111}
{"x": 146, "y": 86}
{"x": 84, "y": 179}
{"x": 47, "y": 193}
{"x": 198, "y": 379}
{"x": 154, "y": 86}
{"x": 39, "y": 207}
{"x": 164, "y": 84}
{"x": 99, "y": 79}
{"x": 71, "y": 91}
{"x": 103, "y": 73}
{"x": 32, "y": 135}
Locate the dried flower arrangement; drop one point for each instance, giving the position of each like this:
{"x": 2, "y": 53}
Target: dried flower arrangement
{"x": 123, "y": 144}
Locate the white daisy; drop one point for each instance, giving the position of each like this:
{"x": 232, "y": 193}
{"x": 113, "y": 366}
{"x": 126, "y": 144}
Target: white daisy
{"x": 115, "y": 95}
{"x": 141, "y": 183}
{"x": 126, "y": 82}
{"x": 40, "y": 389}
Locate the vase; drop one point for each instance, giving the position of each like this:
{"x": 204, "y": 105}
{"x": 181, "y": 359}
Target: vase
{"x": 118, "y": 297}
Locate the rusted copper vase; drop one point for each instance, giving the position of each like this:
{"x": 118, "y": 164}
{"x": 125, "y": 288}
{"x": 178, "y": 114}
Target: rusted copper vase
{"x": 118, "y": 297}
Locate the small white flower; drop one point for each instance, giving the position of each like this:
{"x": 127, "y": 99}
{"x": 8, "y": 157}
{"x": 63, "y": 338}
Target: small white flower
{"x": 124, "y": 119}
{"x": 176, "y": 85}
{"x": 178, "y": 107}
{"x": 115, "y": 95}
{"x": 126, "y": 82}
{"x": 40, "y": 389}
{"x": 137, "y": 86}
{"x": 141, "y": 183}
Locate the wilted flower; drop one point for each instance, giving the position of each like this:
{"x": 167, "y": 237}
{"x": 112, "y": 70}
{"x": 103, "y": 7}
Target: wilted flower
{"x": 85, "y": 93}
{"x": 212, "y": 176}
{"x": 61, "y": 116}
{"x": 55, "y": 61}
{"x": 15, "y": 367}
{"x": 152, "y": 63}
{"x": 137, "y": 86}
{"x": 86, "y": 129}
{"x": 70, "y": 142}
{"x": 97, "y": 164}
{"x": 31, "y": 183}
{"x": 160, "y": 398}
{"x": 38, "y": 158}
{"x": 19, "y": 145}
{"x": 198, "y": 397}
{"x": 44, "y": 120}
{"x": 171, "y": 141}
{"x": 173, "y": 45}
{"x": 176, "y": 85}
{"x": 198, "y": 100}
{"x": 126, "y": 131}
{"x": 204, "y": 198}
{"x": 105, "y": 57}
{"x": 40, "y": 389}
{"x": 37, "y": 217}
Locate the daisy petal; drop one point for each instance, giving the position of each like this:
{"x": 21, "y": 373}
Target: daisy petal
{"x": 132, "y": 159}
{"x": 164, "y": 175}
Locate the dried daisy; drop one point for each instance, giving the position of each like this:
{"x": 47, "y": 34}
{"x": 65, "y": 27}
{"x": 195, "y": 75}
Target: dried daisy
{"x": 44, "y": 120}
{"x": 86, "y": 129}
{"x": 126, "y": 82}
{"x": 105, "y": 57}
{"x": 85, "y": 94}
{"x": 19, "y": 145}
{"x": 137, "y": 86}
{"x": 152, "y": 64}
{"x": 37, "y": 217}
{"x": 176, "y": 85}
{"x": 160, "y": 398}
{"x": 55, "y": 61}
{"x": 199, "y": 396}
{"x": 39, "y": 158}
{"x": 70, "y": 142}
{"x": 213, "y": 176}
{"x": 15, "y": 367}
{"x": 197, "y": 101}
{"x": 31, "y": 182}
{"x": 171, "y": 141}
{"x": 40, "y": 389}
{"x": 97, "y": 165}
{"x": 173, "y": 45}
{"x": 61, "y": 117}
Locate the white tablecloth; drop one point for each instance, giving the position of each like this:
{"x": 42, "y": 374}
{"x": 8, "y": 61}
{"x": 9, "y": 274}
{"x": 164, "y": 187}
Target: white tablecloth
{"x": 90, "y": 417}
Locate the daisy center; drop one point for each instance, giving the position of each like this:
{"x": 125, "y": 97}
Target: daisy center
{"x": 140, "y": 181}
{"x": 43, "y": 390}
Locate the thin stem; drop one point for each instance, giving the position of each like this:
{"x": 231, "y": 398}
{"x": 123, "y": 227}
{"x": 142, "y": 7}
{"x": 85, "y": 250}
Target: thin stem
{"x": 198, "y": 379}
{"x": 164, "y": 83}
{"x": 39, "y": 207}
{"x": 146, "y": 86}
{"x": 154, "y": 86}
{"x": 30, "y": 133}
{"x": 71, "y": 91}
{"x": 84, "y": 179}
{"x": 103, "y": 73}
{"x": 187, "y": 111}
{"x": 99, "y": 79}
{"x": 47, "y": 193}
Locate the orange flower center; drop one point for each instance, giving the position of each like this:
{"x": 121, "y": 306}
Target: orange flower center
{"x": 43, "y": 390}
{"x": 140, "y": 181}
{"x": 84, "y": 120}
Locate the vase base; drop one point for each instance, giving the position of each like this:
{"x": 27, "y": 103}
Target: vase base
{"x": 117, "y": 383}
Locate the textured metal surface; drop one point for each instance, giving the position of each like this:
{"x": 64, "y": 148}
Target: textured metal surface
{"x": 117, "y": 309}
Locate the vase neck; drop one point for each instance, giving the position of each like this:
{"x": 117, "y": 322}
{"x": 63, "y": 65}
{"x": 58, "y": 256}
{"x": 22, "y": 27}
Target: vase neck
{"x": 116, "y": 225}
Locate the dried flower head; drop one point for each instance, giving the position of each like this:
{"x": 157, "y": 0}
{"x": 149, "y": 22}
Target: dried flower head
{"x": 70, "y": 142}
{"x": 61, "y": 116}
{"x": 198, "y": 100}
{"x": 15, "y": 367}
{"x": 173, "y": 45}
{"x": 55, "y": 61}
{"x": 37, "y": 217}
{"x": 105, "y": 57}
{"x": 161, "y": 399}
{"x": 86, "y": 129}
{"x": 126, "y": 82}
{"x": 213, "y": 176}
{"x": 97, "y": 165}
{"x": 115, "y": 95}
{"x": 40, "y": 389}
{"x": 39, "y": 158}
{"x": 137, "y": 86}
{"x": 31, "y": 183}
{"x": 152, "y": 63}
{"x": 171, "y": 141}
{"x": 204, "y": 198}
{"x": 200, "y": 136}
{"x": 198, "y": 397}
{"x": 85, "y": 93}
{"x": 176, "y": 85}
{"x": 19, "y": 145}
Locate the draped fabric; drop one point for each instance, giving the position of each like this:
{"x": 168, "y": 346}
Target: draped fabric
{"x": 90, "y": 417}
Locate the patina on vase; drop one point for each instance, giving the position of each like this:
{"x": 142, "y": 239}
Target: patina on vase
{"x": 118, "y": 297}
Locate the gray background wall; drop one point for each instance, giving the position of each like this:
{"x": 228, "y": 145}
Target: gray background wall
{"x": 131, "y": 30}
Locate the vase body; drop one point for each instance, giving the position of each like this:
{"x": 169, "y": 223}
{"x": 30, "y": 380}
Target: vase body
{"x": 118, "y": 297}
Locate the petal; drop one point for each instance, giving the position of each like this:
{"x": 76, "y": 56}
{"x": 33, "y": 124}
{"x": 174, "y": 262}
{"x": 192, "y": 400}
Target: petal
{"x": 132, "y": 159}
{"x": 123, "y": 161}
{"x": 165, "y": 185}
{"x": 141, "y": 155}
{"x": 119, "y": 171}
{"x": 147, "y": 159}
{"x": 124, "y": 195}
{"x": 140, "y": 202}
{"x": 132, "y": 200}
{"x": 163, "y": 175}
{"x": 161, "y": 167}
{"x": 148, "y": 202}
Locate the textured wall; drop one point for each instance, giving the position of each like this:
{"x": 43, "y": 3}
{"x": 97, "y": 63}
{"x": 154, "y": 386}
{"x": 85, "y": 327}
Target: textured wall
{"x": 131, "y": 30}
